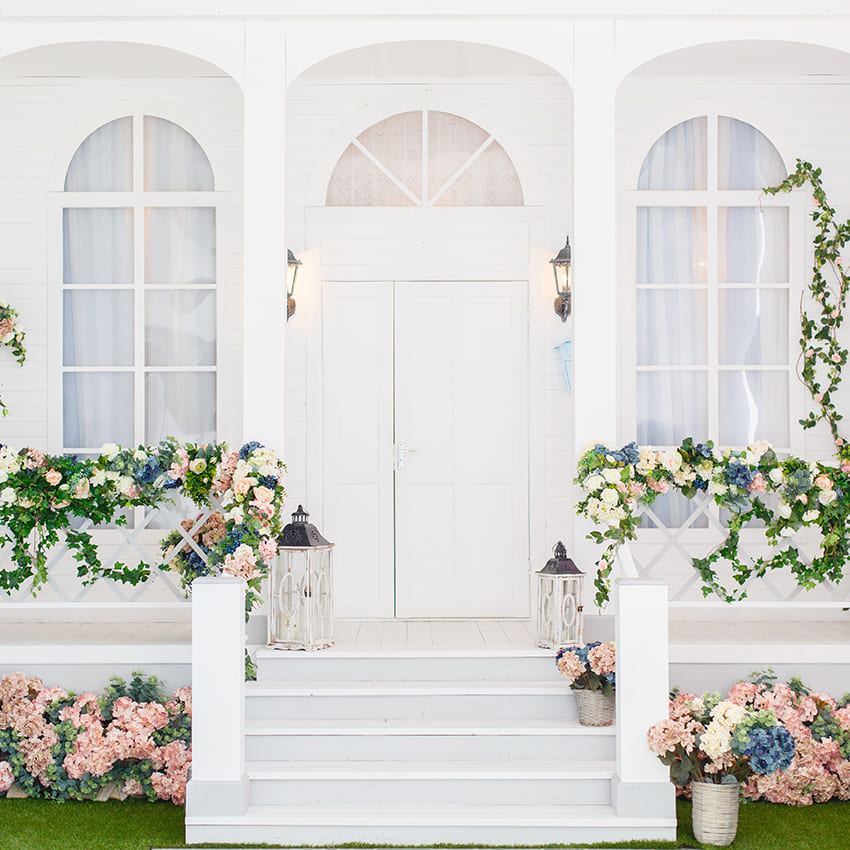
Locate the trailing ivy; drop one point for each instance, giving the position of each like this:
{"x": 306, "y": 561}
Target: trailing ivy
{"x": 12, "y": 335}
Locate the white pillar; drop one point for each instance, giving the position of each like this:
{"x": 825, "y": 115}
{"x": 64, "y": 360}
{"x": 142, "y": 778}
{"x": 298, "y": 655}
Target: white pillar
{"x": 265, "y": 233}
{"x": 642, "y": 785}
{"x": 219, "y": 784}
{"x": 595, "y": 234}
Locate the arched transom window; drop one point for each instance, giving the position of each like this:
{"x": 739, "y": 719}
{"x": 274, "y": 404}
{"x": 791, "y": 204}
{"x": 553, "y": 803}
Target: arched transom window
{"x": 138, "y": 287}
{"x": 712, "y": 331}
{"x": 424, "y": 158}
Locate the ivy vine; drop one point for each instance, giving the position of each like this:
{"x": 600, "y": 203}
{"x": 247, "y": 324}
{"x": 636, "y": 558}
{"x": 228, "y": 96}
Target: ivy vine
{"x": 12, "y": 335}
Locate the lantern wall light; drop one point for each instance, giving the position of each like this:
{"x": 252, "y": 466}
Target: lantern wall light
{"x": 292, "y": 263}
{"x": 563, "y": 281}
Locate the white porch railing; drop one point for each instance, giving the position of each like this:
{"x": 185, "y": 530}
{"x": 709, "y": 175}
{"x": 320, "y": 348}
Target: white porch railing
{"x": 665, "y": 553}
{"x": 640, "y": 605}
{"x": 117, "y": 544}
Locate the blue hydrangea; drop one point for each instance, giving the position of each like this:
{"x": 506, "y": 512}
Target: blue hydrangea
{"x": 739, "y": 475}
{"x": 628, "y": 454}
{"x": 700, "y": 483}
{"x": 149, "y": 472}
{"x": 197, "y": 563}
{"x": 248, "y": 448}
{"x": 703, "y": 450}
{"x": 268, "y": 481}
{"x": 768, "y": 749}
{"x": 171, "y": 483}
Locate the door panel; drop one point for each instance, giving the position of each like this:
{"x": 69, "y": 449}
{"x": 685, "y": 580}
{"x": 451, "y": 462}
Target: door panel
{"x": 357, "y": 395}
{"x": 461, "y": 513}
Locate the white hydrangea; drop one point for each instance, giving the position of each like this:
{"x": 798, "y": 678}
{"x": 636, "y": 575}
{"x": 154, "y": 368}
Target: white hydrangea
{"x": 98, "y": 478}
{"x": 109, "y": 450}
{"x": 717, "y": 488}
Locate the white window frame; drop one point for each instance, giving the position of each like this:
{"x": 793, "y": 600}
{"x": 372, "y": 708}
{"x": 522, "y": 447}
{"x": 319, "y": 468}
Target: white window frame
{"x": 711, "y": 199}
{"x": 227, "y": 418}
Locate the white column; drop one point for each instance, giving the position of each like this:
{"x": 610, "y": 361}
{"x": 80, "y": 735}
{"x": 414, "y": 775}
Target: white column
{"x": 642, "y": 785}
{"x": 265, "y": 233}
{"x": 219, "y": 784}
{"x": 595, "y": 234}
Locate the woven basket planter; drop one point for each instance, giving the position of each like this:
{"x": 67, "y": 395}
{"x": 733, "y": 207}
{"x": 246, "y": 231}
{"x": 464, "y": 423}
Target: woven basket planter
{"x": 594, "y": 708}
{"x": 715, "y": 812}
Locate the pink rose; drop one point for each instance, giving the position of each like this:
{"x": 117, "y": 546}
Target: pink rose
{"x": 263, "y": 495}
{"x": 661, "y": 486}
{"x": 845, "y": 467}
{"x": 268, "y": 549}
{"x": 823, "y": 482}
{"x": 242, "y": 486}
{"x": 53, "y": 477}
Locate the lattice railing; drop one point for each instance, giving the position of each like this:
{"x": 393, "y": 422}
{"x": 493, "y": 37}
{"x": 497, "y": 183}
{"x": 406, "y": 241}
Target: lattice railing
{"x": 663, "y": 552}
{"x": 131, "y": 545}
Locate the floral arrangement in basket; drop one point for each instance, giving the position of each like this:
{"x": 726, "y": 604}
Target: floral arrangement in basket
{"x": 12, "y": 335}
{"x": 590, "y": 667}
{"x": 132, "y": 741}
{"x": 706, "y": 739}
{"x": 818, "y": 724}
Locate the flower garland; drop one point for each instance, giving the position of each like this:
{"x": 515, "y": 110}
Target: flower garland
{"x": 41, "y": 494}
{"x": 11, "y": 335}
{"x": 61, "y": 746}
{"x": 810, "y": 494}
{"x": 618, "y": 483}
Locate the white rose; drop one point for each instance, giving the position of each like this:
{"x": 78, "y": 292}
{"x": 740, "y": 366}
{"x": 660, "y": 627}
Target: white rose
{"x": 139, "y": 456}
{"x": 612, "y": 476}
{"x": 671, "y": 460}
{"x": 827, "y": 497}
{"x": 610, "y": 496}
{"x": 788, "y": 532}
{"x": 198, "y": 465}
{"x": 7, "y": 496}
{"x": 785, "y": 510}
{"x": 810, "y": 516}
{"x": 4, "y": 476}
{"x": 125, "y": 485}
{"x": 705, "y": 469}
{"x": 776, "y": 475}
{"x": 593, "y": 482}
{"x": 109, "y": 450}
{"x": 236, "y": 515}
{"x": 716, "y": 488}
{"x": 111, "y": 475}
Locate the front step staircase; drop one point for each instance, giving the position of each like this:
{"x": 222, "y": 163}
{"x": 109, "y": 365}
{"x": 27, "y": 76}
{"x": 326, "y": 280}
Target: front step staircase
{"x": 421, "y": 748}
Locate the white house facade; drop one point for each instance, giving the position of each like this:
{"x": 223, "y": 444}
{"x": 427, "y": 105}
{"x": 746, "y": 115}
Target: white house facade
{"x": 425, "y": 165}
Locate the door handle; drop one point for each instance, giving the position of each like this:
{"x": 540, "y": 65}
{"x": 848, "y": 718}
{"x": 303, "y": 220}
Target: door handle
{"x": 401, "y": 454}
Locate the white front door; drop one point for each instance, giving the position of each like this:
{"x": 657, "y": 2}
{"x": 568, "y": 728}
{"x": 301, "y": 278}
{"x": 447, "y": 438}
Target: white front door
{"x": 426, "y": 449}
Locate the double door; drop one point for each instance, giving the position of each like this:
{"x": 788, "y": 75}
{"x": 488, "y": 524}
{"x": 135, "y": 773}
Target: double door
{"x": 425, "y": 449}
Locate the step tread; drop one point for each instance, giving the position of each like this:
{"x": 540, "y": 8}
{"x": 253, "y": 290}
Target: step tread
{"x": 296, "y": 656}
{"x": 512, "y": 770}
{"x": 427, "y": 726}
{"x": 407, "y": 688}
{"x": 423, "y": 815}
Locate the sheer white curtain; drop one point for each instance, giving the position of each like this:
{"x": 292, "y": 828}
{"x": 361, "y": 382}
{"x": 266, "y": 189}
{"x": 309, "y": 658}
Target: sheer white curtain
{"x": 675, "y": 345}
{"x": 111, "y": 347}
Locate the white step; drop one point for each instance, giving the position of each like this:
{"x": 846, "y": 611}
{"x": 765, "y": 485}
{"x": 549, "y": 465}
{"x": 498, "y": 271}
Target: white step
{"x": 389, "y": 700}
{"x": 423, "y": 824}
{"x": 429, "y": 740}
{"x": 431, "y": 783}
{"x": 334, "y": 664}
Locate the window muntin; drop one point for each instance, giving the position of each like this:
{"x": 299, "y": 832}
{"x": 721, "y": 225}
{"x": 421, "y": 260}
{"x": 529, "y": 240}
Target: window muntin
{"x": 139, "y": 345}
{"x": 712, "y": 292}
{"x": 458, "y": 162}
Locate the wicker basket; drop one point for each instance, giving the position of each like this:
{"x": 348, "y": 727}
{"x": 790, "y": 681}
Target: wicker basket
{"x": 715, "y": 812}
{"x": 594, "y": 708}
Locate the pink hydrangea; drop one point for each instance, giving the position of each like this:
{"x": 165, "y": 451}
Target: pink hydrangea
{"x": 242, "y": 563}
{"x": 570, "y": 666}
{"x": 758, "y": 484}
{"x": 659, "y": 486}
{"x": 268, "y": 549}
{"x": 666, "y": 735}
{"x": 6, "y": 776}
{"x": 743, "y": 693}
{"x": 602, "y": 659}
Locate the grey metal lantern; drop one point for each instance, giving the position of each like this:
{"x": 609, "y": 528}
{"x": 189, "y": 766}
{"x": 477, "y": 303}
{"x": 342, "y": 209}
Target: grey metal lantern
{"x": 302, "y": 588}
{"x": 561, "y": 267}
{"x": 560, "y": 592}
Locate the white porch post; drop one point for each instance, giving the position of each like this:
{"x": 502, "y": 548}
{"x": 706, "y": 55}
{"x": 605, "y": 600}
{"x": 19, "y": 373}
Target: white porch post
{"x": 594, "y": 255}
{"x": 219, "y": 784}
{"x": 265, "y": 233}
{"x": 642, "y": 783}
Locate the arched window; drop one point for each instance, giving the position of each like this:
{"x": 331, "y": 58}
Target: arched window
{"x": 138, "y": 287}
{"x": 424, "y": 158}
{"x": 712, "y": 278}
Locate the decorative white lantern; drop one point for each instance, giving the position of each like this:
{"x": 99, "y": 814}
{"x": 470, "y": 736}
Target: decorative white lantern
{"x": 560, "y": 592}
{"x": 302, "y": 588}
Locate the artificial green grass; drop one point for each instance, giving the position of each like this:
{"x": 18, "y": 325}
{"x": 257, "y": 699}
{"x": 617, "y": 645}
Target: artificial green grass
{"x": 138, "y": 825}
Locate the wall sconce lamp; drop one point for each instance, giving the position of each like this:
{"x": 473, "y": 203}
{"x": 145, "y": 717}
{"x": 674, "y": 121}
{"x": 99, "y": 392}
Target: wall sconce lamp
{"x": 292, "y": 263}
{"x": 563, "y": 281}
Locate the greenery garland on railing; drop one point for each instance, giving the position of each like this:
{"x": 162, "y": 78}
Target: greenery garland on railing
{"x": 620, "y": 482}
{"x": 12, "y": 335}
{"x": 41, "y": 495}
